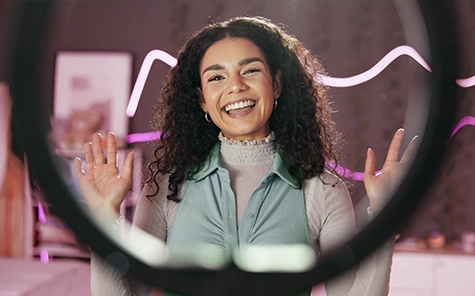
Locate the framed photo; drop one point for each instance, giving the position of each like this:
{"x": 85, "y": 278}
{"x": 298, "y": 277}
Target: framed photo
{"x": 95, "y": 83}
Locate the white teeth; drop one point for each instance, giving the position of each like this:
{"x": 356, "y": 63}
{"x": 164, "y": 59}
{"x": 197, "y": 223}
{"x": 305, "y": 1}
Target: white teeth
{"x": 239, "y": 105}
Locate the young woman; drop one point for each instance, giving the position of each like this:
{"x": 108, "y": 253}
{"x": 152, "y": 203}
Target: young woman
{"x": 243, "y": 158}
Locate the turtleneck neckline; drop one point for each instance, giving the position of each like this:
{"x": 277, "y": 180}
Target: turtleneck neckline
{"x": 246, "y": 152}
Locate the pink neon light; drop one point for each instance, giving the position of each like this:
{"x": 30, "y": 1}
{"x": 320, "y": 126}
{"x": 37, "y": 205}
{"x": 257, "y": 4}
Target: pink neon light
{"x": 143, "y": 74}
{"x": 376, "y": 69}
{"x": 44, "y": 256}
{"x": 358, "y": 176}
{"x": 467, "y": 82}
{"x": 467, "y": 120}
{"x": 326, "y": 80}
{"x": 41, "y": 213}
{"x": 342, "y": 171}
{"x": 329, "y": 81}
{"x": 347, "y": 173}
{"x": 142, "y": 137}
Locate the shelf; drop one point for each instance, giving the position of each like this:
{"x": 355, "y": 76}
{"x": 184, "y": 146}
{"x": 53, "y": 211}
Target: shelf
{"x": 61, "y": 250}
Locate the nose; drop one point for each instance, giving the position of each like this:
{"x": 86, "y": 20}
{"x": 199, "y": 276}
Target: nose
{"x": 236, "y": 84}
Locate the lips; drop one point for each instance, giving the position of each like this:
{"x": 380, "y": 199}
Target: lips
{"x": 239, "y": 105}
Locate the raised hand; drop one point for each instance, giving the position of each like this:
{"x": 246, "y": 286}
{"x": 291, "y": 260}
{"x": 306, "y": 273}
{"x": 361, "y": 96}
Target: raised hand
{"x": 380, "y": 186}
{"x": 102, "y": 186}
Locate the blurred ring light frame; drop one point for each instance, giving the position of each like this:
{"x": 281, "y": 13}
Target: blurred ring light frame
{"x": 230, "y": 280}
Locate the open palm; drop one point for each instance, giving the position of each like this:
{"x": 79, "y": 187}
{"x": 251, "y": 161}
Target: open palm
{"x": 379, "y": 186}
{"x": 102, "y": 186}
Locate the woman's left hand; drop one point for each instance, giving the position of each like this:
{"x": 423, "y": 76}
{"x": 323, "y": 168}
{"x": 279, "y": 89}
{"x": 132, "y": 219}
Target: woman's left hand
{"x": 379, "y": 186}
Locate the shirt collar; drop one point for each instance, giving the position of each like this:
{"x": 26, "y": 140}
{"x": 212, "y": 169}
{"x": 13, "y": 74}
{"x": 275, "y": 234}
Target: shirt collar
{"x": 209, "y": 165}
{"x": 280, "y": 167}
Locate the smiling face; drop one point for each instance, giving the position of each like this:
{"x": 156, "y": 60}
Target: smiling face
{"x": 237, "y": 88}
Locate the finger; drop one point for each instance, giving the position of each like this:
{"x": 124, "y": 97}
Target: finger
{"x": 78, "y": 167}
{"x": 370, "y": 164}
{"x": 98, "y": 150}
{"x": 411, "y": 150}
{"x": 111, "y": 149}
{"x": 89, "y": 156}
{"x": 393, "y": 151}
{"x": 128, "y": 166}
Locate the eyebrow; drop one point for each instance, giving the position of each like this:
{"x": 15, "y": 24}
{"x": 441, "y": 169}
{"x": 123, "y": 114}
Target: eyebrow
{"x": 241, "y": 63}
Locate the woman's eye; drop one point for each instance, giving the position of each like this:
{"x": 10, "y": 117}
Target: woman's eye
{"x": 250, "y": 71}
{"x": 215, "y": 78}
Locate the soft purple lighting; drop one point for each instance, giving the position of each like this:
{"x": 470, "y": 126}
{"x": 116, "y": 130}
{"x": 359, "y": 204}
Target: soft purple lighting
{"x": 157, "y": 54}
{"x": 326, "y": 80}
{"x": 143, "y": 74}
{"x": 467, "y": 120}
{"x": 376, "y": 69}
{"x": 142, "y": 137}
{"x": 358, "y": 176}
{"x": 329, "y": 81}
{"x": 44, "y": 256}
{"x": 41, "y": 213}
{"x": 467, "y": 82}
{"x": 347, "y": 173}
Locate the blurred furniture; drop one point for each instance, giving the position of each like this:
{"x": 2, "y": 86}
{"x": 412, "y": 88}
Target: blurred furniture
{"x": 432, "y": 273}
{"x": 15, "y": 221}
{"x": 22, "y": 277}
{"x": 53, "y": 237}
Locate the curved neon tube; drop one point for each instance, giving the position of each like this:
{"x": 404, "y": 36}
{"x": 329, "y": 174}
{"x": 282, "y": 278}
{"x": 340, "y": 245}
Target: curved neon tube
{"x": 342, "y": 171}
{"x": 142, "y": 137}
{"x": 466, "y": 82}
{"x": 326, "y": 80}
{"x": 467, "y": 120}
{"x": 143, "y": 74}
{"x": 376, "y": 69}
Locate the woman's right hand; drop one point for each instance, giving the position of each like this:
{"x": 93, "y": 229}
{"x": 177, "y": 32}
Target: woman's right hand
{"x": 102, "y": 186}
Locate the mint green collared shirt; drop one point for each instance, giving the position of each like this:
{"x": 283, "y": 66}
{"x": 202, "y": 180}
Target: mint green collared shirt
{"x": 275, "y": 212}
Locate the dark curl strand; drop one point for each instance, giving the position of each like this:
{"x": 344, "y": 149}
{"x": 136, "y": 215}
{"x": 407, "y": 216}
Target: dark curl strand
{"x": 302, "y": 122}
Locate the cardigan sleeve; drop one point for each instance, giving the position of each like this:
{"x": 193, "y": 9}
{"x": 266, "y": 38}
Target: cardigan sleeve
{"x": 152, "y": 215}
{"x": 331, "y": 222}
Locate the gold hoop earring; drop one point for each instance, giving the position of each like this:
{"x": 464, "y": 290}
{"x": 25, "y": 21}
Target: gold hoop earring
{"x": 275, "y": 103}
{"x": 207, "y": 117}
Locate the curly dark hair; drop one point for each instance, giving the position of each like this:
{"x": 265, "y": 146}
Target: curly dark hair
{"x": 302, "y": 122}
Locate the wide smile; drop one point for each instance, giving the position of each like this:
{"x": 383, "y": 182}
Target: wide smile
{"x": 238, "y": 106}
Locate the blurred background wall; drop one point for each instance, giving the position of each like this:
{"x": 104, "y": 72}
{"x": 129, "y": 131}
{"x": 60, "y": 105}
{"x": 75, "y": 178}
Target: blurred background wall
{"x": 348, "y": 36}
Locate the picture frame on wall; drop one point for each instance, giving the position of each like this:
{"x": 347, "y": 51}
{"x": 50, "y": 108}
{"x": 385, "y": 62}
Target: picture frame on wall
{"x": 91, "y": 92}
